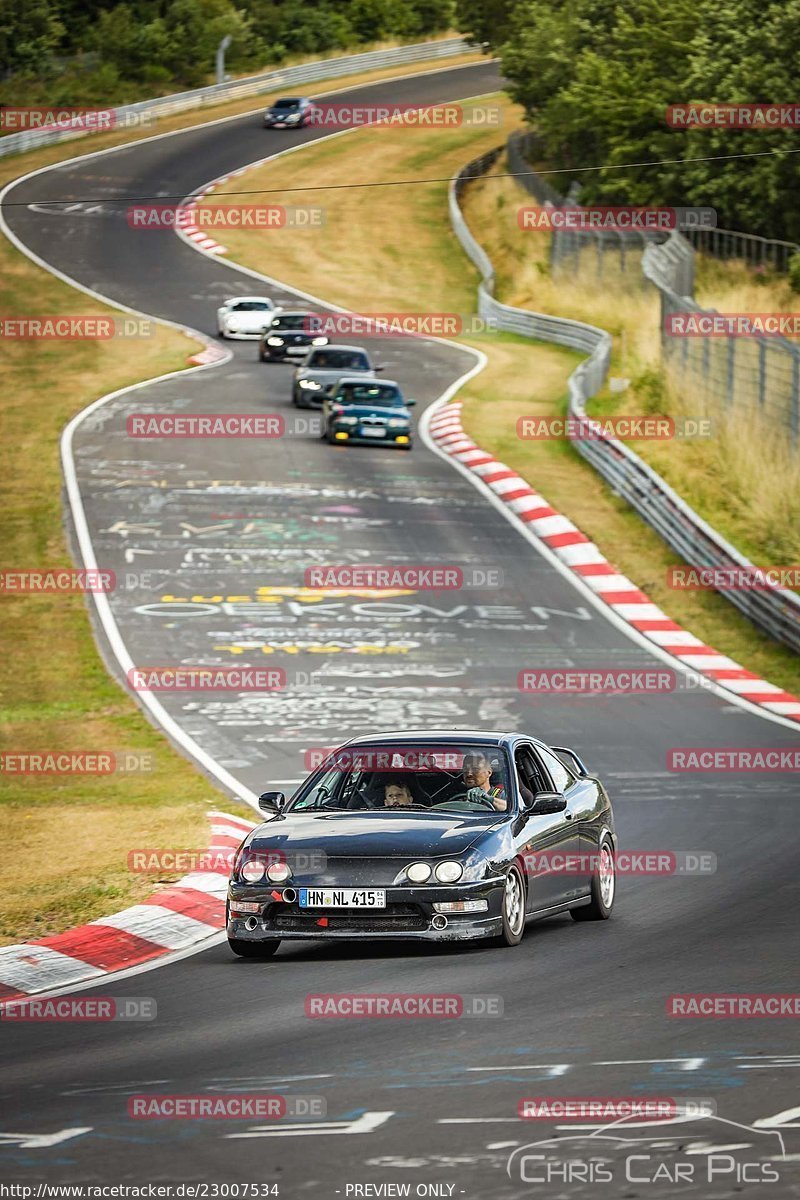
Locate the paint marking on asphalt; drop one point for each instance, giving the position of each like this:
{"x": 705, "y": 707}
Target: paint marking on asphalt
{"x": 688, "y": 1064}
{"x": 366, "y": 1123}
{"x": 555, "y": 1069}
{"x": 40, "y": 1141}
{"x": 782, "y": 1120}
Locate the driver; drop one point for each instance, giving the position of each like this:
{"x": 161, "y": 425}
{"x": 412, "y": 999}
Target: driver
{"x": 475, "y": 774}
{"x": 397, "y": 794}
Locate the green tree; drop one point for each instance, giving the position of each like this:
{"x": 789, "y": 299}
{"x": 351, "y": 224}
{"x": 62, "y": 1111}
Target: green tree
{"x": 30, "y": 31}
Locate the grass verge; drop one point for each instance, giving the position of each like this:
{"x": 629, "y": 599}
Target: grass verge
{"x": 405, "y": 258}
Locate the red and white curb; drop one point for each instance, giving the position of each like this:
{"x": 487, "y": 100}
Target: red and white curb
{"x": 173, "y": 918}
{"x": 583, "y": 557}
{"x": 193, "y": 232}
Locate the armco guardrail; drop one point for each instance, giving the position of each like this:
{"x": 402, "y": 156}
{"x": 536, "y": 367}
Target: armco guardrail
{"x": 133, "y": 115}
{"x": 777, "y": 610}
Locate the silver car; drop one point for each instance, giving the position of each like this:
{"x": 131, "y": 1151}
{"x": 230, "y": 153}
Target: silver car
{"x": 322, "y": 369}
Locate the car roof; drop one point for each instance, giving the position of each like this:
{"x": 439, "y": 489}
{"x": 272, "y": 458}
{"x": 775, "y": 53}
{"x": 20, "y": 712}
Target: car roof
{"x": 486, "y": 736}
{"x": 237, "y": 299}
{"x": 294, "y": 99}
{"x": 297, "y": 312}
{"x": 341, "y": 346}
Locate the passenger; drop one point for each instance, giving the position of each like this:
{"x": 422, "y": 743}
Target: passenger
{"x": 475, "y": 774}
{"x": 397, "y": 794}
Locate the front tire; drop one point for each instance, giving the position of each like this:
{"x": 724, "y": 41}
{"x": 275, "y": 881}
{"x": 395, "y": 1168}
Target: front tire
{"x": 513, "y": 908}
{"x": 604, "y": 886}
{"x": 254, "y": 949}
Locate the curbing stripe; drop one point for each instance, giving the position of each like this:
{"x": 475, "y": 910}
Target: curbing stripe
{"x": 586, "y": 561}
{"x": 173, "y": 918}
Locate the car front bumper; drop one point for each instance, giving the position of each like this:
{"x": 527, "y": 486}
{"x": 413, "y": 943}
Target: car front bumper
{"x": 357, "y": 438}
{"x": 409, "y": 914}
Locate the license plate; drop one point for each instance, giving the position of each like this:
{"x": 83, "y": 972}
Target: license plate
{"x": 297, "y": 349}
{"x": 279, "y": 125}
{"x": 342, "y": 898}
{"x": 373, "y": 432}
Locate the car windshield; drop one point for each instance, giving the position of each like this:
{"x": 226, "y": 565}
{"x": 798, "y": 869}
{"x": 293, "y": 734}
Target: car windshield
{"x": 251, "y": 306}
{"x": 338, "y": 360}
{"x": 293, "y": 321}
{"x": 422, "y": 778}
{"x": 364, "y": 393}
{"x": 287, "y": 102}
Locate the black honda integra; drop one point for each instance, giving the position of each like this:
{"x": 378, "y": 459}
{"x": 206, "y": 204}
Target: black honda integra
{"x": 439, "y": 835}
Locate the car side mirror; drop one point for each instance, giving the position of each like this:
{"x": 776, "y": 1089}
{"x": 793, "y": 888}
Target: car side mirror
{"x": 271, "y": 802}
{"x": 410, "y": 402}
{"x": 547, "y": 802}
{"x": 377, "y": 369}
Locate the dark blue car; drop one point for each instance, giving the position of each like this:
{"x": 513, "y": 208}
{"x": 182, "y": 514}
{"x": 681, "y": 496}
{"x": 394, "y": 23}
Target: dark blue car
{"x": 441, "y": 836}
{"x": 367, "y": 411}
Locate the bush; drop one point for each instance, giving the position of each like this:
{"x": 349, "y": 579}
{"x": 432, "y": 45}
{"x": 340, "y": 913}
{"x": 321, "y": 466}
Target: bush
{"x": 794, "y": 272}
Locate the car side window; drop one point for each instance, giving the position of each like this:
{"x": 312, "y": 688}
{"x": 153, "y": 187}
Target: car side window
{"x": 561, "y": 777}
{"x": 527, "y": 775}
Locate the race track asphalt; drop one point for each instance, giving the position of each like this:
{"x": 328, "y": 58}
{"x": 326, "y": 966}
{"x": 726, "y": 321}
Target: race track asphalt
{"x": 584, "y": 1006}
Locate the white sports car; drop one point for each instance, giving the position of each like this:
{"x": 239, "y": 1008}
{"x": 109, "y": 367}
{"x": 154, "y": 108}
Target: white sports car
{"x": 245, "y": 316}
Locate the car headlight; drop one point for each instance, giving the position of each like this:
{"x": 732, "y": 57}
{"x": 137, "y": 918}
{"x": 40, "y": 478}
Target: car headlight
{"x": 398, "y": 423}
{"x": 448, "y": 872}
{"x": 419, "y": 872}
{"x": 274, "y": 341}
{"x": 293, "y": 117}
{"x": 319, "y": 341}
{"x": 346, "y": 420}
{"x": 252, "y": 870}
{"x": 310, "y": 385}
{"x": 279, "y": 872}
{"x": 232, "y": 324}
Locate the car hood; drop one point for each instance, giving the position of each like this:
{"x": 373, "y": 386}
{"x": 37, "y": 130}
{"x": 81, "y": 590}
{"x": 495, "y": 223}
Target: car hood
{"x": 331, "y": 376}
{"x": 374, "y": 410}
{"x": 253, "y": 321}
{"x": 378, "y": 835}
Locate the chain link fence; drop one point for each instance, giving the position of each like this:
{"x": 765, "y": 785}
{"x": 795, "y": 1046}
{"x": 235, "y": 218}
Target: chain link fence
{"x": 607, "y": 254}
{"x": 777, "y": 610}
{"x": 135, "y": 115}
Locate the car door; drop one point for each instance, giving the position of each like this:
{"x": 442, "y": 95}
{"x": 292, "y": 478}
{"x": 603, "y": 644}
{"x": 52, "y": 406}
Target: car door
{"x": 548, "y": 838}
{"x": 581, "y": 796}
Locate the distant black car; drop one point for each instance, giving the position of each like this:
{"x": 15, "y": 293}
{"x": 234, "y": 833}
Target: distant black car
{"x": 368, "y": 411}
{"x": 436, "y": 835}
{"x": 289, "y": 335}
{"x": 290, "y": 112}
